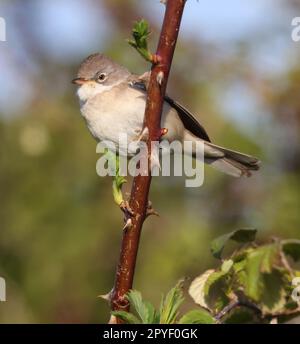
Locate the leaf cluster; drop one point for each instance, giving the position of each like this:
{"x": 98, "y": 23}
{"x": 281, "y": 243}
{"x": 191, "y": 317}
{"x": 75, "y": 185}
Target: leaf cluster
{"x": 140, "y": 35}
{"x": 254, "y": 284}
{"x": 168, "y": 312}
{"x": 254, "y": 277}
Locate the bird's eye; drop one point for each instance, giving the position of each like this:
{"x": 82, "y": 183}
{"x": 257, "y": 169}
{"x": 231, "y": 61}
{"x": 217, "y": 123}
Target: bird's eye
{"x": 101, "y": 77}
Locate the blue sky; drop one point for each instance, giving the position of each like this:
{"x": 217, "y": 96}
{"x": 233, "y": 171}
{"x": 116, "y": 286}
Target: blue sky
{"x": 222, "y": 21}
{"x": 70, "y": 29}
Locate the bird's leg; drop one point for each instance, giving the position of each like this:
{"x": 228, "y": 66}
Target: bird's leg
{"x": 163, "y": 131}
{"x": 143, "y": 135}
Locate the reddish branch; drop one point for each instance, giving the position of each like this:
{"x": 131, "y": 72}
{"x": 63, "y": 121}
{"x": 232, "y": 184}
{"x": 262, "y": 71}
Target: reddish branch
{"x": 141, "y": 184}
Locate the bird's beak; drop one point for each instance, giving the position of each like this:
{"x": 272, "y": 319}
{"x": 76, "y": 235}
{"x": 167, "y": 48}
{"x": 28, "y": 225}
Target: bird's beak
{"x": 79, "y": 81}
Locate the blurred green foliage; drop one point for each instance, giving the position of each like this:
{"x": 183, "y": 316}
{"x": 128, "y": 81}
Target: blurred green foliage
{"x": 60, "y": 231}
{"x": 259, "y": 278}
{"x": 255, "y": 284}
{"x": 168, "y": 313}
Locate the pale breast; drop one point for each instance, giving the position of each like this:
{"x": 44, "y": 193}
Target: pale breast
{"x": 111, "y": 114}
{"x": 115, "y": 112}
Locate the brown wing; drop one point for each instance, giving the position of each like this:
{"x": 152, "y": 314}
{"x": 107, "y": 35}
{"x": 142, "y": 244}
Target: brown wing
{"x": 188, "y": 120}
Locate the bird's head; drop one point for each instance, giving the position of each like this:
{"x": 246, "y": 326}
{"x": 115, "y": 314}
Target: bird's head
{"x": 97, "y": 74}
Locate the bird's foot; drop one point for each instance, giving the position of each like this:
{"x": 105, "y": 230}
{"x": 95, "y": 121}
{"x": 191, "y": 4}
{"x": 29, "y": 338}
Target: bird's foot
{"x": 143, "y": 135}
{"x": 163, "y": 131}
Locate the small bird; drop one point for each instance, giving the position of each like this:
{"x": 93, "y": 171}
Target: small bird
{"x": 113, "y": 101}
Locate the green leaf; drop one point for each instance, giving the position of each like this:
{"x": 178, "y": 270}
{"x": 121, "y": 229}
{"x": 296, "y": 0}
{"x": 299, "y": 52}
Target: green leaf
{"x": 170, "y": 305}
{"x": 273, "y": 297}
{"x": 196, "y": 289}
{"x": 241, "y": 315}
{"x": 197, "y": 316}
{"x": 270, "y": 255}
{"x": 292, "y": 248}
{"x": 210, "y": 289}
{"x": 113, "y": 161}
{"x": 216, "y": 290}
{"x": 227, "y": 265}
{"x": 240, "y": 264}
{"x": 153, "y": 316}
{"x": 240, "y": 235}
{"x": 127, "y": 317}
{"x": 239, "y": 259}
{"x": 144, "y": 309}
{"x": 259, "y": 261}
{"x": 253, "y": 277}
{"x": 240, "y": 275}
{"x": 140, "y": 34}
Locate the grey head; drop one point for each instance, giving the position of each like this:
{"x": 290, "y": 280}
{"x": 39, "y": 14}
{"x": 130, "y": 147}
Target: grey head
{"x": 100, "y": 69}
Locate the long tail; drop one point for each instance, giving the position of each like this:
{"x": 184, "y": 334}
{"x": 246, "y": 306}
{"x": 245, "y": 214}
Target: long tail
{"x": 228, "y": 161}
{"x": 225, "y": 160}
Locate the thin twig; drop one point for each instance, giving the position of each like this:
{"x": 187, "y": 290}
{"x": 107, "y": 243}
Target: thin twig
{"x": 234, "y": 304}
{"x": 141, "y": 184}
{"x": 247, "y": 304}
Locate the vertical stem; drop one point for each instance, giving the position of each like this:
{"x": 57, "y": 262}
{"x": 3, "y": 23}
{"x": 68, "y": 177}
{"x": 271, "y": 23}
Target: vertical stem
{"x": 141, "y": 184}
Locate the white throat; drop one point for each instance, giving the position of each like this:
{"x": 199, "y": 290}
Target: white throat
{"x": 90, "y": 89}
